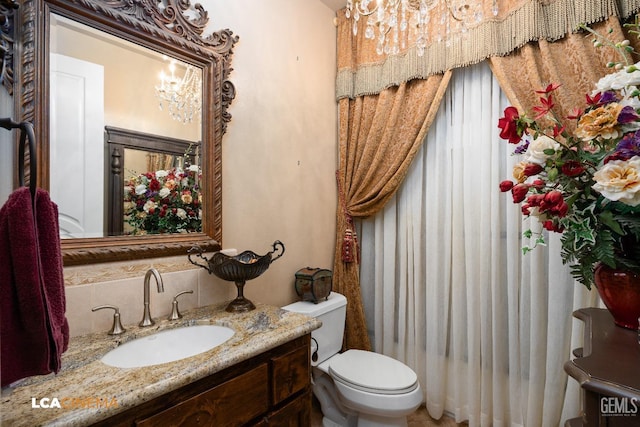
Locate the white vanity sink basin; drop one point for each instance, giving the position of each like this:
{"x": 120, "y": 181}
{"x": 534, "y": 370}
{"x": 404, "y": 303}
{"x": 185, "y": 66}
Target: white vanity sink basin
{"x": 167, "y": 346}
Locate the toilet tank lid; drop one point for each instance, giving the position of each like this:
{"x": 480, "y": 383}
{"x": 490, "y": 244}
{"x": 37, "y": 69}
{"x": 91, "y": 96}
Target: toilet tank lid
{"x": 334, "y": 301}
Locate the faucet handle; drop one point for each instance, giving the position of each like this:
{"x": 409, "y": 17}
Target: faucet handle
{"x": 175, "y": 313}
{"x": 116, "y": 328}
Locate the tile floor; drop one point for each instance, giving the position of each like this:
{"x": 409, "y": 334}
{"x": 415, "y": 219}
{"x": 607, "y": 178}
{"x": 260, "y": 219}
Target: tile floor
{"x": 420, "y": 418}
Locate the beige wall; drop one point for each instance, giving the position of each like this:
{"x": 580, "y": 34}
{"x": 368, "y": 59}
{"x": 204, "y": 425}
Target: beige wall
{"x": 279, "y": 161}
{"x": 129, "y": 97}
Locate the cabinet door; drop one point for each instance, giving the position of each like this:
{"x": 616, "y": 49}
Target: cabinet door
{"x": 232, "y": 403}
{"x": 296, "y": 413}
{"x": 291, "y": 373}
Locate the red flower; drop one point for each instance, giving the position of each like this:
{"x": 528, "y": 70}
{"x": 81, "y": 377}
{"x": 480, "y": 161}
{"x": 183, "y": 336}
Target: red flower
{"x": 509, "y": 125}
{"x": 519, "y": 192}
{"x": 506, "y": 185}
{"x": 532, "y": 169}
{"x": 554, "y": 204}
{"x": 535, "y": 200}
{"x": 553, "y": 197}
{"x": 154, "y": 185}
{"x": 595, "y": 100}
{"x": 550, "y": 88}
{"x": 546, "y": 105}
{"x": 575, "y": 114}
{"x": 572, "y": 168}
{"x": 538, "y": 183}
{"x": 549, "y": 225}
{"x": 557, "y": 130}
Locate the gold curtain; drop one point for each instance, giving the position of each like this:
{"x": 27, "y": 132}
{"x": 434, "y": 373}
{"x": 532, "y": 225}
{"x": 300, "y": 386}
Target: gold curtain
{"x": 572, "y": 62}
{"x": 159, "y": 161}
{"x": 379, "y": 136}
{"x": 381, "y": 130}
{"x": 361, "y": 71}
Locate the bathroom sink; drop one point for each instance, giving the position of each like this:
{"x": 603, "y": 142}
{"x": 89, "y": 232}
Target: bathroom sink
{"x": 167, "y": 346}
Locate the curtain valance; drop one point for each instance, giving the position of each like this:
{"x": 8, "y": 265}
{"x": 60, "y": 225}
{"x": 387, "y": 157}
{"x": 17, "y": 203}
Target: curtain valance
{"x": 361, "y": 71}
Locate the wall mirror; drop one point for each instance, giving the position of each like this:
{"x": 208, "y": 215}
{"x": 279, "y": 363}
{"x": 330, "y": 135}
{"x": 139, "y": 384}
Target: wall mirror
{"x": 133, "y": 61}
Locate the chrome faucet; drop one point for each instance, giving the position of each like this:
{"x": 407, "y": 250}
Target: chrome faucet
{"x": 146, "y": 317}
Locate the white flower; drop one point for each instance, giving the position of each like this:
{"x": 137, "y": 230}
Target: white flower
{"x": 141, "y": 189}
{"x": 619, "y": 180}
{"x": 194, "y": 168}
{"x": 164, "y": 192}
{"x": 181, "y": 213}
{"x": 186, "y": 198}
{"x": 618, "y": 80}
{"x": 161, "y": 174}
{"x": 535, "y": 152}
{"x": 149, "y": 205}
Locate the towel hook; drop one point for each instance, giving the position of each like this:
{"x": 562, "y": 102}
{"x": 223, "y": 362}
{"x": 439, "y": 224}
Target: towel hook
{"x": 26, "y": 133}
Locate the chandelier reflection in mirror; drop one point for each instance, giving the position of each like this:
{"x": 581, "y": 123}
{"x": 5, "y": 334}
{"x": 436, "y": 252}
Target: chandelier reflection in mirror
{"x": 182, "y": 97}
{"x": 395, "y": 24}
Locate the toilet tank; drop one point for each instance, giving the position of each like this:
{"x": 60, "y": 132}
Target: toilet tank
{"x": 331, "y": 313}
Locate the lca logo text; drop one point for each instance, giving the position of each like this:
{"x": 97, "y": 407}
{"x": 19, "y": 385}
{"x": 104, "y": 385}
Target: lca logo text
{"x": 73, "y": 403}
{"x": 619, "y": 406}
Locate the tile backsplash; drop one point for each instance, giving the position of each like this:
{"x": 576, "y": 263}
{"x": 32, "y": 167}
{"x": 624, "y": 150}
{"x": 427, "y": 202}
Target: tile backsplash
{"x": 121, "y": 285}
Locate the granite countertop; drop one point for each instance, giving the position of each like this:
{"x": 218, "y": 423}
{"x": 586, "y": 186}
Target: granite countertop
{"x": 85, "y": 381}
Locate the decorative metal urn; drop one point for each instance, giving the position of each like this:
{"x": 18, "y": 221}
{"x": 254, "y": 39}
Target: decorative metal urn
{"x": 238, "y": 269}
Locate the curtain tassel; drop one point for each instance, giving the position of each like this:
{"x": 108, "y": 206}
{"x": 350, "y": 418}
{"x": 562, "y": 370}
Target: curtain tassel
{"x": 350, "y": 250}
{"x": 349, "y": 239}
{"x": 348, "y": 246}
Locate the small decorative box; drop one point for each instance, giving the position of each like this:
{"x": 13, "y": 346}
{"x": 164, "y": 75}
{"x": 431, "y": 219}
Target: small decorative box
{"x": 313, "y": 284}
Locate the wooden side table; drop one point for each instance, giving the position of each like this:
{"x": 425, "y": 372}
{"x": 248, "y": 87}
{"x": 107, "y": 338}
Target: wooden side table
{"x": 608, "y": 370}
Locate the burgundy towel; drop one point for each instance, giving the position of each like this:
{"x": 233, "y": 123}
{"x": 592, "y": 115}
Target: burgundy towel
{"x": 52, "y": 278}
{"x": 33, "y": 326}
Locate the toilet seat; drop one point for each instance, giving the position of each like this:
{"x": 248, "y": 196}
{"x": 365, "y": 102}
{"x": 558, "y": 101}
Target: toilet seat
{"x": 372, "y": 373}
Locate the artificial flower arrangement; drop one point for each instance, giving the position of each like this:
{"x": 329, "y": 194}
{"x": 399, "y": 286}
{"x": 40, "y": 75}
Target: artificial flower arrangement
{"x": 584, "y": 185}
{"x": 164, "y": 201}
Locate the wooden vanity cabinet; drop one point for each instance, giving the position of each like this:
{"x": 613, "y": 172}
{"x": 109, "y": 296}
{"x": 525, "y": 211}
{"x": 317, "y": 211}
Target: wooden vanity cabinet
{"x": 271, "y": 389}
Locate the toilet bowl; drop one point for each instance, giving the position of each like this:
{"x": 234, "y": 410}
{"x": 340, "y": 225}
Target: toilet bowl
{"x": 356, "y": 388}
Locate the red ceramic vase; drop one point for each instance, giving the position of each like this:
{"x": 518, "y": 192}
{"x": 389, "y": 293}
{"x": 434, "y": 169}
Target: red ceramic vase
{"x": 620, "y": 292}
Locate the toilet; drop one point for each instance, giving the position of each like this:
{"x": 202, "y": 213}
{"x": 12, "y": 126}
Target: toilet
{"x": 355, "y": 388}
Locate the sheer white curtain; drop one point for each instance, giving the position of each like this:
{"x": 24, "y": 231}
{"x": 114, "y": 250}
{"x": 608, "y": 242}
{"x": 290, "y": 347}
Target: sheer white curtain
{"x": 447, "y": 289}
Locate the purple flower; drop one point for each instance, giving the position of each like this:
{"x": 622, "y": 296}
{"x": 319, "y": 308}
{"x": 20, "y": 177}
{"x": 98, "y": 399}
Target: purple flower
{"x": 522, "y": 148}
{"x": 628, "y": 147}
{"x": 627, "y": 115}
{"x": 608, "y": 97}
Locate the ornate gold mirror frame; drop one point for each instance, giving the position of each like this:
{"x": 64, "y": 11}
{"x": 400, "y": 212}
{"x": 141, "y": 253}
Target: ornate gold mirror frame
{"x": 171, "y": 27}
